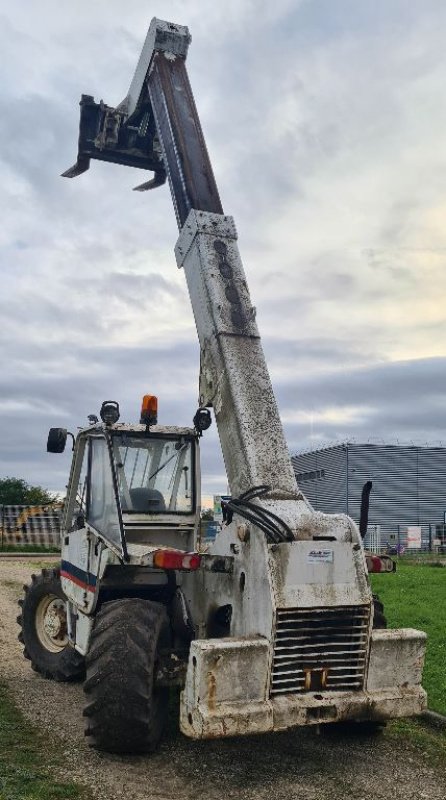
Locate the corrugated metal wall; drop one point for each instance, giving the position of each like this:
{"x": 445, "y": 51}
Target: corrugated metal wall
{"x": 322, "y": 476}
{"x": 409, "y": 484}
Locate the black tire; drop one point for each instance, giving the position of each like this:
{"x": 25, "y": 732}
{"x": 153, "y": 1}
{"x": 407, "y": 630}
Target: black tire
{"x": 125, "y": 712}
{"x": 379, "y": 620}
{"x": 51, "y": 655}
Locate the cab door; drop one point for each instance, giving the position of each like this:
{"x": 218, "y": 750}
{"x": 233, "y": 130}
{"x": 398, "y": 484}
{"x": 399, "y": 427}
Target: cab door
{"x": 78, "y": 581}
{"x": 104, "y": 517}
{"x": 96, "y": 522}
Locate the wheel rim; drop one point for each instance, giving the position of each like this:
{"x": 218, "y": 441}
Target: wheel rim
{"x": 51, "y": 623}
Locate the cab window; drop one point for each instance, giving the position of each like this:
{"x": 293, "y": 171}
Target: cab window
{"x": 102, "y": 513}
{"x": 155, "y": 474}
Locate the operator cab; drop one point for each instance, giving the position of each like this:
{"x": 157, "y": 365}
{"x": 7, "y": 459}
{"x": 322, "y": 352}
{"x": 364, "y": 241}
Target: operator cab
{"x": 157, "y": 475}
{"x": 133, "y": 484}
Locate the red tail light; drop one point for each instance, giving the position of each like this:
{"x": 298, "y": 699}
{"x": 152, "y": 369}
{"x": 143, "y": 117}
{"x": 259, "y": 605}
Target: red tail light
{"x": 374, "y": 563}
{"x": 176, "y": 559}
{"x": 379, "y": 563}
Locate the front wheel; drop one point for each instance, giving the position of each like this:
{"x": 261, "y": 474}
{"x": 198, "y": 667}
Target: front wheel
{"x": 125, "y": 711}
{"x": 44, "y": 634}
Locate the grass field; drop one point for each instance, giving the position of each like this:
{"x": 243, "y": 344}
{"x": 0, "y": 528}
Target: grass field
{"x": 24, "y": 759}
{"x": 415, "y": 597}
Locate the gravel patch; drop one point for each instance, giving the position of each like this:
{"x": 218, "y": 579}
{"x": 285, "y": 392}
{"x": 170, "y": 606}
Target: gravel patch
{"x": 296, "y": 765}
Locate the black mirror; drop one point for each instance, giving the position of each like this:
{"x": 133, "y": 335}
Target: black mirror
{"x": 57, "y": 439}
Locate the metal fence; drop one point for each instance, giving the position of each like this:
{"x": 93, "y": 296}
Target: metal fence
{"x": 30, "y": 525}
{"x": 406, "y": 540}
{"x": 40, "y": 526}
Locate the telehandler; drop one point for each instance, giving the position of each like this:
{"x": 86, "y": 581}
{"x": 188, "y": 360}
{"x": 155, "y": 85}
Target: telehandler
{"x": 275, "y": 625}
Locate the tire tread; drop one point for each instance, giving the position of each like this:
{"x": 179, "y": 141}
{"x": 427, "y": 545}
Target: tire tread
{"x": 124, "y": 713}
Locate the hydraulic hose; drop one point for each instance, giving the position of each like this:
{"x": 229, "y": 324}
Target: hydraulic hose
{"x": 275, "y": 529}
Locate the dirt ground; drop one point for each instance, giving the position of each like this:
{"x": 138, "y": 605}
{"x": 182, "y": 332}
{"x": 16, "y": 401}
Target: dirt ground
{"x": 297, "y": 765}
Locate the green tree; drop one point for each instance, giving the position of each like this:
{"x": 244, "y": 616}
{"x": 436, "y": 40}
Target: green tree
{"x": 17, "y": 492}
{"x": 207, "y": 513}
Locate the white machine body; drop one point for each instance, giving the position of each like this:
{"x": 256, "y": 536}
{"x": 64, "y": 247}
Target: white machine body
{"x": 283, "y": 632}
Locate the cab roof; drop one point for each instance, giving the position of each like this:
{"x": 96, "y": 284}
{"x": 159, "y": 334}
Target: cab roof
{"x": 170, "y": 430}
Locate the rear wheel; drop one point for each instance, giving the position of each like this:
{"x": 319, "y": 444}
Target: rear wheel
{"x": 44, "y": 634}
{"x": 379, "y": 620}
{"x": 125, "y": 711}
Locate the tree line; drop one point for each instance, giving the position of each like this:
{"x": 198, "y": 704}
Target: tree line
{"x": 17, "y": 492}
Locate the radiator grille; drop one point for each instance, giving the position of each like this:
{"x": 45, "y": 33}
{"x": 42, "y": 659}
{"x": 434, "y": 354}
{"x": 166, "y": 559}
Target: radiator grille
{"x": 320, "y": 644}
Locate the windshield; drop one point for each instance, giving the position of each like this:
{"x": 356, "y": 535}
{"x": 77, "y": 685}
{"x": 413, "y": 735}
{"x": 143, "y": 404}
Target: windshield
{"x": 155, "y": 475}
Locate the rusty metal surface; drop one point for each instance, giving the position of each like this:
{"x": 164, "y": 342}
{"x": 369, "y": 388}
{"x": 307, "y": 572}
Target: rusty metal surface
{"x": 288, "y": 711}
{"x": 320, "y": 648}
{"x": 226, "y": 670}
{"x": 104, "y": 135}
{"x": 185, "y": 155}
{"x": 226, "y": 694}
{"x": 396, "y": 658}
{"x": 220, "y": 672}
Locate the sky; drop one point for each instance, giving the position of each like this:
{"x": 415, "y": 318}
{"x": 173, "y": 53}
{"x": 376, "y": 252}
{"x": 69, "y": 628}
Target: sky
{"x": 325, "y": 122}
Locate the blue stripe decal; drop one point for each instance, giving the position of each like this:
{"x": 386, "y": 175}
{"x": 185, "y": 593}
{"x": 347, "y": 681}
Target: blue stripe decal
{"x": 81, "y": 574}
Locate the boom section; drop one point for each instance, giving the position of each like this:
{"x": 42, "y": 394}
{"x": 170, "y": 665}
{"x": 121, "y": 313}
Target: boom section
{"x": 234, "y": 377}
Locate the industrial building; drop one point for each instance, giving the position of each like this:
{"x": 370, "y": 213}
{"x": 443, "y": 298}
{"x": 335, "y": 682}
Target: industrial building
{"x": 409, "y": 488}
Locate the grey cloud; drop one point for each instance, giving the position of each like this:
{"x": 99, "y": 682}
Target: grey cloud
{"x": 396, "y": 400}
{"x": 305, "y": 355}
{"x": 140, "y": 289}
{"x": 402, "y": 379}
{"x": 322, "y": 121}
{"x": 31, "y": 130}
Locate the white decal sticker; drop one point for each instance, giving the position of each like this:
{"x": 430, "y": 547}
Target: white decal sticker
{"x": 320, "y": 557}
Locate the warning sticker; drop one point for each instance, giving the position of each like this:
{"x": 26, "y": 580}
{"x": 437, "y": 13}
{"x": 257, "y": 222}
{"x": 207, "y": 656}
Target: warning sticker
{"x": 322, "y": 556}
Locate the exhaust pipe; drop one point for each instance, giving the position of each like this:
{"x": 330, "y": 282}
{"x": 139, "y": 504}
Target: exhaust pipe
{"x": 364, "y": 515}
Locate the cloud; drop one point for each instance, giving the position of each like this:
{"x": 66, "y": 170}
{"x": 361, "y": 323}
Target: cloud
{"x": 324, "y": 122}
{"x": 396, "y": 401}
